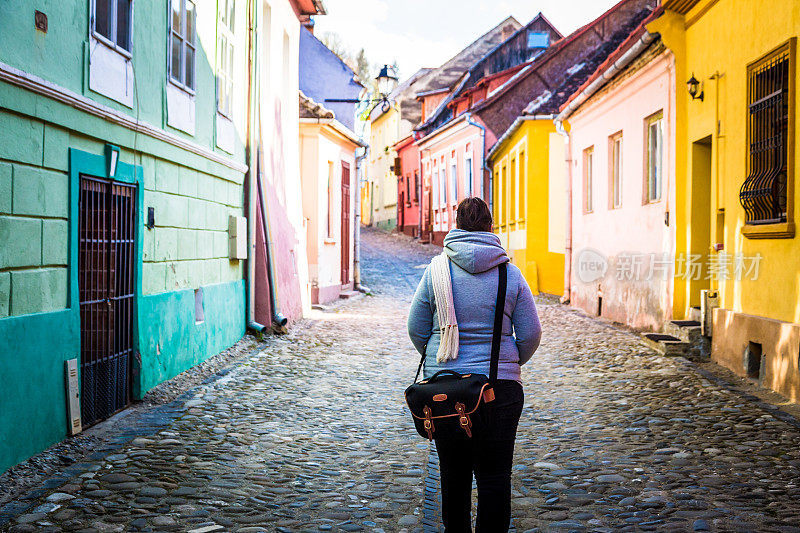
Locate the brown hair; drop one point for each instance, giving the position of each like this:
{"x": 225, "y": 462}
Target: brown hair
{"x": 473, "y": 215}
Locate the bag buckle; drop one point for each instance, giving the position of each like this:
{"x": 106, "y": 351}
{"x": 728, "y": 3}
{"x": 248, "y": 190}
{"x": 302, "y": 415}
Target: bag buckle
{"x": 463, "y": 419}
{"x": 428, "y": 422}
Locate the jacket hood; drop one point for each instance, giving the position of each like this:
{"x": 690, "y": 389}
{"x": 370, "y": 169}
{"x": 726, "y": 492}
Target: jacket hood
{"x": 474, "y": 251}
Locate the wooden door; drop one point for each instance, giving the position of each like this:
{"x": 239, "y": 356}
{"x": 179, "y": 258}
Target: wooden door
{"x": 345, "y": 240}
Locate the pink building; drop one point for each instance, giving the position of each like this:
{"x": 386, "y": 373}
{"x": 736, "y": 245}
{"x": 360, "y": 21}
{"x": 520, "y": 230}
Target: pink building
{"x": 451, "y": 167}
{"x": 622, "y": 145}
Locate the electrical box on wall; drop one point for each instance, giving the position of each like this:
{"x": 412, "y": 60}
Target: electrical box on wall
{"x": 237, "y": 237}
{"x": 73, "y": 397}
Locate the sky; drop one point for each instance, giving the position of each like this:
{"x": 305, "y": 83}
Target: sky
{"x": 426, "y": 33}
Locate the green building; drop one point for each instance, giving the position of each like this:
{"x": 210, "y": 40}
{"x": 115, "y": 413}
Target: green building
{"x": 123, "y": 166}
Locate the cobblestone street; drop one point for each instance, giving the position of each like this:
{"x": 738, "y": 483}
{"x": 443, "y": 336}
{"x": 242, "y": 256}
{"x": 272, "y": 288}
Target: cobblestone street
{"x": 311, "y": 434}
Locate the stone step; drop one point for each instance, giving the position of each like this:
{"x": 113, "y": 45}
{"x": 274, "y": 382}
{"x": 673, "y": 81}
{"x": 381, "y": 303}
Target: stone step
{"x": 344, "y": 295}
{"x": 690, "y": 331}
{"x": 685, "y": 330}
{"x": 666, "y": 344}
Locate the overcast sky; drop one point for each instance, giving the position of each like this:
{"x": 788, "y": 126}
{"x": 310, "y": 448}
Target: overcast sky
{"x": 426, "y": 33}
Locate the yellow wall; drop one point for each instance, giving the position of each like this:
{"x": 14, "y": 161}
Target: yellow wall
{"x": 384, "y": 132}
{"x": 524, "y": 184}
{"x": 703, "y": 44}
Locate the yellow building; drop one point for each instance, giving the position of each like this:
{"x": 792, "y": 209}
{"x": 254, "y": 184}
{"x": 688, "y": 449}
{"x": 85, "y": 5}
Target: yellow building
{"x": 529, "y": 200}
{"x": 381, "y": 198}
{"x": 736, "y": 155}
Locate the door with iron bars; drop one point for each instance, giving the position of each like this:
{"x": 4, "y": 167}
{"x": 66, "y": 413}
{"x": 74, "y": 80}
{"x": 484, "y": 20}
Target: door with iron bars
{"x": 107, "y": 254}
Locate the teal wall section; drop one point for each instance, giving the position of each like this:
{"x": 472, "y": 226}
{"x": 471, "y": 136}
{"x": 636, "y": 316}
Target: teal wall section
{"x": 33, "y": 413}
{"x": 170, "y": 340}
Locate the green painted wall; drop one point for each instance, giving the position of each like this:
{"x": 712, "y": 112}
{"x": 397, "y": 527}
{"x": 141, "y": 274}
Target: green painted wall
{"x": 33, "y": 413}
{"x": 44, "y": 146}
{"x": 170, "y": 346}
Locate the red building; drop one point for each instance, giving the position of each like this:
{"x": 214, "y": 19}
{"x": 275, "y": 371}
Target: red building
{"x": 409, "y": 186}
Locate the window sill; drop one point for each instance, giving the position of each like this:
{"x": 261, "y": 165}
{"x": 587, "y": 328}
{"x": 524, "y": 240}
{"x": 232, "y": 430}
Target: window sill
{"x": 180, "y": 86}
{"x": 783, "y": 230}
{"x": 105, "y": 41}
{"x": 329, "y": 240}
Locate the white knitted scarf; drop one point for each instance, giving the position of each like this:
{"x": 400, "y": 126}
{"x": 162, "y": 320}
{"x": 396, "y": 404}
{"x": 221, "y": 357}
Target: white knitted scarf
{"x": 443, "y": 294}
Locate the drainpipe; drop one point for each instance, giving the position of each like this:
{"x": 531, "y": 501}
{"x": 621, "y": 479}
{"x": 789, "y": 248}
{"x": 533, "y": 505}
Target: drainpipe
{"x": 249, "y": 188}
{"x": 565, "y": 298}
{"x": 357, "y": 230}
{"x": 418, "y": 188}
{"x": 278, "y": 319}
{"x": 468, "y": 118}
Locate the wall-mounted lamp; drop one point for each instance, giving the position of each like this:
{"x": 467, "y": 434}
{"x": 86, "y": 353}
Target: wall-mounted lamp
{"x": 694, "y": 86}
{"x": 387, "y": 82}
{"x": 112, "y": 158}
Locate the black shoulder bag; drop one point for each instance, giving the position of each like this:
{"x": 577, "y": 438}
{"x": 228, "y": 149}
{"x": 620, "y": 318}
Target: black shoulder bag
{"x": 452, "y": 405}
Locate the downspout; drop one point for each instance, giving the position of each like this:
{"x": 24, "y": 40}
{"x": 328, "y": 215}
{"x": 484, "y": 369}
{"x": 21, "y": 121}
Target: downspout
{"x": 623, "y": 61}
{"x": 249, "y": 181}
{"x": 565, "y": 298}
{"x": 468, "y": 118}
{"x": 418, "y": 187}
{"x": 357, "y": 230}
{"x": 278, "y": 319}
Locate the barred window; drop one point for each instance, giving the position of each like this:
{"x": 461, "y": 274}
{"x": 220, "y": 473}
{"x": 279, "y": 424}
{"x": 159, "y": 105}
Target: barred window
{"x": 764, "y": 191}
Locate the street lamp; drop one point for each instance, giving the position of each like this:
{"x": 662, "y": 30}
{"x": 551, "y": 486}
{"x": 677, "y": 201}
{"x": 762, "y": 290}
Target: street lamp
{"x": 387, "y": 82}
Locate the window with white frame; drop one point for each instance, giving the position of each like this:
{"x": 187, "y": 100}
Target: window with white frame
{"x": 654, "y": 157}
{"x": 182, "y": 43}
{"x": 443, "y": 185}
{"x": 468, "y": 174}
{"x": 112, "y": 22}
{"x": 434, "y": 189}
{"x": 588, "y": 164}
{"x": 615, "y": 160}
{"x": 453, "y": 183}
{"x": 225, "y": 52}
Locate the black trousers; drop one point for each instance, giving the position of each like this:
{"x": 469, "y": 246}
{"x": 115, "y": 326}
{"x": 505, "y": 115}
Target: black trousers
{"x": 490, "y": 459}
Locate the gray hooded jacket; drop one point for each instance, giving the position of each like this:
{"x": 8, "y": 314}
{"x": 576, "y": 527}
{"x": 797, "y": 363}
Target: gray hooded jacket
{"x": 473, "y": 258}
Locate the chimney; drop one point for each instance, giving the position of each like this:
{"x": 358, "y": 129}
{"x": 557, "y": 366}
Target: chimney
{"x": 308, "y": 23}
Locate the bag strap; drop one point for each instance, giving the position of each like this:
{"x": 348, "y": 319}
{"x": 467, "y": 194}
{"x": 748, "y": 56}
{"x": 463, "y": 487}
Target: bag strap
{"x": 497, "y": 330}
{"x": 499, "y": 311}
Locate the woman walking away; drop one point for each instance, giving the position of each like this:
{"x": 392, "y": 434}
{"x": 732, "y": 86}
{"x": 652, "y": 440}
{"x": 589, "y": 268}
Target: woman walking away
{"x": 452, "y": 327}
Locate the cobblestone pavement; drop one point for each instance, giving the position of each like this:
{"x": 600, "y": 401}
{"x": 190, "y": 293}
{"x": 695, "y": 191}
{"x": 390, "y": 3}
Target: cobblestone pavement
{"x": 312, "y": 435}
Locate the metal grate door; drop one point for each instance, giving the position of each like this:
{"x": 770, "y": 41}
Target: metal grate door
{"x": 106, "y": 285}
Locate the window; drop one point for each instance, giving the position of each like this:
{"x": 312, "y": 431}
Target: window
{"x": 443, "y": 185}
{"x": 588, "y": 156}
{"x": 112, "y": 22}
{"x": 408, "y": 189}
{"x": 468, "y": 174}
{"x": 416, "y": 186}
{"x": 182, "y": 43}
{"x": 329, "y": 220}
{"x": 766, "y": 191}
{"x": 225, "y": 54}
{"x": 615, "y": 170}
{"x": 501, "y": 195}
{"x": 654, "y": 172}
{"x": 521, "y": 187}
{"x": 453, "y": 183}
{"x": 513, "y": 209}
{"x": 434, "y": 189}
